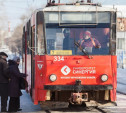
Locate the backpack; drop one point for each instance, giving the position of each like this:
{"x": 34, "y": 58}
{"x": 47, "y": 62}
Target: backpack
{"x": 23, "y": 84}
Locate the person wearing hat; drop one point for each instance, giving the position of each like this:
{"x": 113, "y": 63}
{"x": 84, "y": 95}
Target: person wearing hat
{"x": 4, "y": 79}
{"x": 66, "y": 39}
{"x": 14, "y": 89}
{"x": 88, "y": 41}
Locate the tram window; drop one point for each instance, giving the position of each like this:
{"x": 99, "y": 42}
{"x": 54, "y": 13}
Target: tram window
{"x": 23, "y": 44}
{"x": 78, "y": 17}
{"x": 73, "y": 17}
{"x": 23, "y": 40}
{"x": 104, "y": 17}
{"x": 33, "y": 39}
{"x": 65, "y": 40}
{"x": 40, "y": 35}
{"x": 113, "y": 40}
{"x": 50, "y": 45}
{"x": 28, "y": 37}
{"x": 32, "y": 55}
{"x": 40, "y": 40}
{"x": 113, "y": 26}
{"x": 53, "y": 17}
{"x": 51, "y": 38}
{"x": 58, "y": 43}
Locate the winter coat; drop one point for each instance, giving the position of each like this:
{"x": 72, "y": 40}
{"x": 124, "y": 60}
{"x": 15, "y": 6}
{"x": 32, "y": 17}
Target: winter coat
{"x": 91, "y": 42}
{"x": 14, "y": 90}
{"x": 3, "y": 67}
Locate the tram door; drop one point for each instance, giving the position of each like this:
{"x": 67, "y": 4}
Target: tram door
{"x": 32, "y": 59}
{"x": 24, "y": 50}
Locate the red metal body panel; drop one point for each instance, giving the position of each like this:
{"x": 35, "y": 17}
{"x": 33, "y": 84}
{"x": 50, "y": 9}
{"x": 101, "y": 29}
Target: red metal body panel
{"x": 114, "y": 75}
{"x": 71, "y": 68}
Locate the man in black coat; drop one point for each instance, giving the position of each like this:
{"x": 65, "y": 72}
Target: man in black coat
{"x": 4, "y": 78}
{"x": 66, "y": 39}
{"x": 14, "y": 89}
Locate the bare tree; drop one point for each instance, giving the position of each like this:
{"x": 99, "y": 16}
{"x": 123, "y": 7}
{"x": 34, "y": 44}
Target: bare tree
{"x": 16, "y": 39}
{"x": 3, "y": 21}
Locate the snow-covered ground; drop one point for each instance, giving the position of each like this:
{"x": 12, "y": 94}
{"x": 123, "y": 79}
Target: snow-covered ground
{"x": 121, "y": 80}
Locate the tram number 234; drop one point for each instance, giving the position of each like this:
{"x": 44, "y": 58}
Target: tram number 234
{"x": 58, "y": 58}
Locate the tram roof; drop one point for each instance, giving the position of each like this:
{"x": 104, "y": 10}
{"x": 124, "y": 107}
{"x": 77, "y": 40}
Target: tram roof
{"x": 78, "y": 8}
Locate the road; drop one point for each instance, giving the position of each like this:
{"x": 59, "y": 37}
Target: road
{"x": 27, "y": 106}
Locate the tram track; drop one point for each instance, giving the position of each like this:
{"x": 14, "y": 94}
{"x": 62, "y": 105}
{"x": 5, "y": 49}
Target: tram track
{"x": 101, "y": 110}
{"x": 92, "y": 109}
{"x": 47, "y": 111}
{"x": 78, "y": 109}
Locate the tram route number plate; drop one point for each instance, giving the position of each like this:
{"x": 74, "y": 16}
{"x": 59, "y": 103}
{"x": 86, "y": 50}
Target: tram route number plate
{"x": 61, "y": 52}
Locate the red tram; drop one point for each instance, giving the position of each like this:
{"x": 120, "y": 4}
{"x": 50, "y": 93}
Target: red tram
{"x": 60, "y": 68}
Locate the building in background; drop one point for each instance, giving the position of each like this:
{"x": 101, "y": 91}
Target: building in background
{"x": 121, "y": 42}
{"x": 121, "y": 35}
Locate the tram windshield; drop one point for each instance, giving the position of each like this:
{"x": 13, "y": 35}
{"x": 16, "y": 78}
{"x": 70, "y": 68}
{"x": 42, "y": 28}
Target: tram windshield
{"x": 73, "y": 36}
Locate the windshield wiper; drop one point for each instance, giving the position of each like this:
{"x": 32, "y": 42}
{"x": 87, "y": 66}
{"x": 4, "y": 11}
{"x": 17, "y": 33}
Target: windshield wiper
{"x": 82, "y": 49}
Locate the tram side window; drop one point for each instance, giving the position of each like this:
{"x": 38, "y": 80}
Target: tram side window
{"x": 113, "y": 41}
{"x": 28, "y": 37}
{"x": 40, "y": 35}
{"x": 23, "y": 41}
{"x": 33, "y": 39}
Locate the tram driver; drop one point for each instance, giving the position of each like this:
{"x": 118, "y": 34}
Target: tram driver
{"x": 88, "y": 42}
{"x": 66, "y": 39}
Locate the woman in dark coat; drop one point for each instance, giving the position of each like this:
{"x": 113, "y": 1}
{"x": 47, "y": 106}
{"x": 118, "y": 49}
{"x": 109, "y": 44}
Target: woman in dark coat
{"x": 14, "y": 90}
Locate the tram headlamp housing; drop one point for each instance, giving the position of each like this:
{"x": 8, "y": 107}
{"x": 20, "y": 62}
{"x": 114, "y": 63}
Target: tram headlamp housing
{"x": 53, "y": 77}
{"x": 104, "y": 78}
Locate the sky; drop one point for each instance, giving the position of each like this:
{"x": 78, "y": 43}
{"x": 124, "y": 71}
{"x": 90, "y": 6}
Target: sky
{"x": 12, "y": 10}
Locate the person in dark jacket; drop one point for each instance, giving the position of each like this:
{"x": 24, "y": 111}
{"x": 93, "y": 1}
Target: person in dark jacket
{"x": 14, "y": 90}
{"x": 66, "y": 40}
{"x": 3, "y": 81}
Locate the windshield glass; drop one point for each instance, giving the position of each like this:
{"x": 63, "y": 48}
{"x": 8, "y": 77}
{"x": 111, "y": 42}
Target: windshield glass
{"x": 61, "y": 41}
{"x": 72, "y": 31}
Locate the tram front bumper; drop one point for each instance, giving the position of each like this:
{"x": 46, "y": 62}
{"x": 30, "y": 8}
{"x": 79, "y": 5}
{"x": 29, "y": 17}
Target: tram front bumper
{"x": 77, "y": 87}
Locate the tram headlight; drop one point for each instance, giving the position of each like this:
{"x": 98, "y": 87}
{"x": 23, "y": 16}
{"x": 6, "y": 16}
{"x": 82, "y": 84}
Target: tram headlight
{"x": 104, "y": 78}
{"x": 53, "y": 77}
